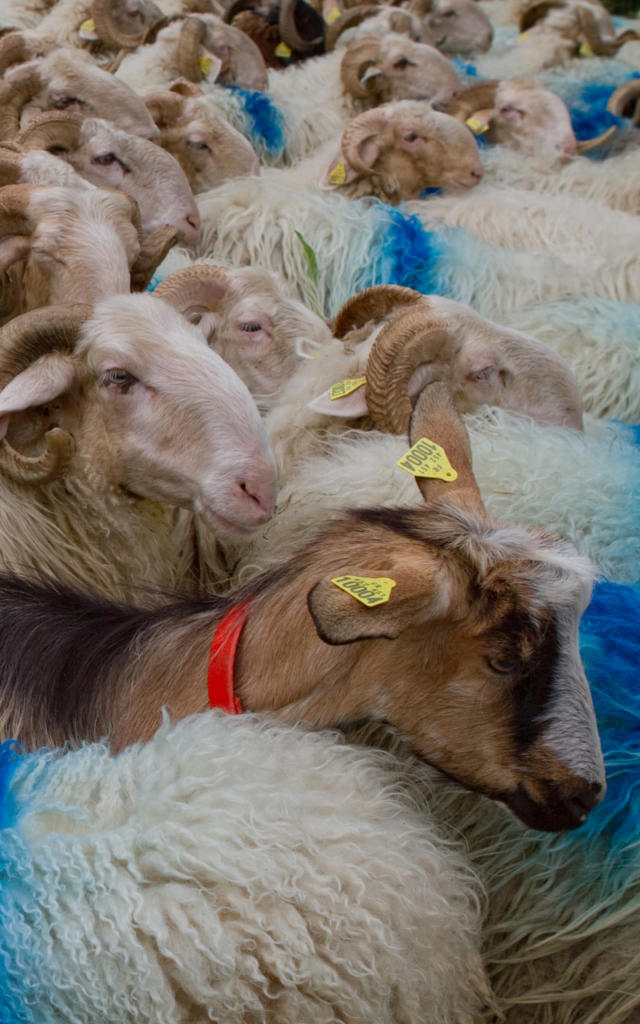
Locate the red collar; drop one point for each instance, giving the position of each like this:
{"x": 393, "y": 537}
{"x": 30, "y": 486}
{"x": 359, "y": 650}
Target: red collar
{"x": 222, "y": 658}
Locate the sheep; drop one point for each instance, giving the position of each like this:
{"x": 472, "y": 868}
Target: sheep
{"x": 115, "y": 22}
{"x": 284, "y": 31}
{"x": 232, "y": 869}
{"x": 458, "y": 27}
{"x": 372, "y": 20}
{"x": 517, "y": 597}
{"x": 252, "y": 320}
{"x": 111, "y": 158}
{"x": 125, "y": 415}
{"x": 189, "y": 45}
{"x": 207, "y": 147}
{"x": 67, "y": 79}
{"x": 317, "y": 99}
{"x": 63, "y": 245}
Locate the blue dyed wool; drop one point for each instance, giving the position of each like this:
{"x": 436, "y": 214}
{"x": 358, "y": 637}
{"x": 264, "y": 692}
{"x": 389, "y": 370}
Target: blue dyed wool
{"x": 266, "y": 121}
{"x": 405, "y": 253}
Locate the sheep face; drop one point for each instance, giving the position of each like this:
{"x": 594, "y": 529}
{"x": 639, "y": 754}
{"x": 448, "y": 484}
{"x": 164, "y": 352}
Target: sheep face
{"x": 71, "y": 81}
{"x": 207, "y": 147}
{"x": 396, "y": 68}
{"x": 474, "y": 658}
{"x": 457, "y": 26}
{"x": 533, "y": 119}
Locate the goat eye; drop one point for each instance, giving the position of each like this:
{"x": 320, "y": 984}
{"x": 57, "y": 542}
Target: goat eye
{"x": 502, "y": 665}
{"x": 402, "y": 62}
{"x": 121, "y": 379}
{"x": 251, "y": 326}
{"x": 199, "y": 145}
{"x": 105, "y": 159}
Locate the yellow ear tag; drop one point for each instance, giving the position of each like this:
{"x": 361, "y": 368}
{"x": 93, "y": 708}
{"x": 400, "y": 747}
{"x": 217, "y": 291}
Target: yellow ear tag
{"x": 523, "y": 35}
{"x": 205, "y": 64}
{"x": 477, "y": 127}
{"x": 282, "y": 50}
{"x": 585, "y": 50}
{"x": 87, "y": 29}
{"x": 333, "y": 15}
{"x": 368, "y": 590}
{"x": 338, "y": 175}
{"x": 345, "y": 387}
{"x": 427, "y": 459}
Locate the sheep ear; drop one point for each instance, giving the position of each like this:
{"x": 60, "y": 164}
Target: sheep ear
{"x": 405, "y": 597}
{"x": 12, "y": 249}
{"x": 41, "y": 382}
{"x": 210, "y": 66}
{"x": 349, "y": 407}
{"x": 338, "y": 173}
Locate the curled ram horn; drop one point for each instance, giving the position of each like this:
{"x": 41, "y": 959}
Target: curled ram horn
{"x": 192, "y": 35}
{"x": 18, "y": 47}
{"x": 194, "y": 289}
{"x": 599, "y": 44}
{"x": 34, "y": 335}
{"x": 625, "y": 101}
{"x": 358, "y": 60}
{"x": 349, "y": 19}
{"x": 104, "y": 14}
{"x": 10, "y": 169}
{"x": 15, "y": 92}
{"x": 372, "y": 304}
{"x": 51, "y": 130}
{"x": 312, "y": 34}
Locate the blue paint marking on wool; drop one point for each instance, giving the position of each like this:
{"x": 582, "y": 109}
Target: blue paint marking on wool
{"x": 589, "y": 114}
{"x": 405, "y": 254}
{"x": 16, "y": 946}
{"x": 11, "y": 755}
{"x": 463, "y": 67}
{"x": 267, "y": 122}
{"x": 426, "y": 192}
{"x": 610, "y": 648}
{"x": 154, "y": 282}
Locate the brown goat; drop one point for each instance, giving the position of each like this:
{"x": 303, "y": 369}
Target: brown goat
{"x": 474, "y": 656}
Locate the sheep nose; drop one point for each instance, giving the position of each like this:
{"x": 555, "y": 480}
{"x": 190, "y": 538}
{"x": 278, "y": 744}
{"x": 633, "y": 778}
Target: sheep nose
{"x": 262, "y": 496}
{"x": 190, "y": 228}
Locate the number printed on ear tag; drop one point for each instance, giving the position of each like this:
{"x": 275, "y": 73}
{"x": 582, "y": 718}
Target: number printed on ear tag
{"x": 427, "y": 459}
{"x": 345, "y": 387}
{"x": 368, "y": 590}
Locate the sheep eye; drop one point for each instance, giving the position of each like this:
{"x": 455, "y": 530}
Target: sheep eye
{"x": 121, "y": 379}
{"x": 502, "y": 665}
{"x": 105, "y": 159}
{"x": 448, "y": 14}
{"x": 251, "y": 326}
{"x": 63, "y": 102}
{"x": 411, "y": 137}
{"x": 199, "y": 145}
{"x": 403, "y": 62}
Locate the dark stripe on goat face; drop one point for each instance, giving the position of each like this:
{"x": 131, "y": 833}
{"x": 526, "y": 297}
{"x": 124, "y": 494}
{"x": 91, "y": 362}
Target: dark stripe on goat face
{"x": 536, "y": 650}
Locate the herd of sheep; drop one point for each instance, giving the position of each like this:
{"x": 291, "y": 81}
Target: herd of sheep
{"x": 319, "y": 393}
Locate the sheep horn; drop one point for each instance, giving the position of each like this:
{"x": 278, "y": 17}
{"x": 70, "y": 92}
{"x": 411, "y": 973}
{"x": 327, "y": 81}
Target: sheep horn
{"x": 237, "y": 8}
{"x": 165, "y": 107}
{"x": 436, "y": 418}
{"x": 16, "y": 49}
{"x": 599, "y": 46}
{"x": 191, "y": 38}
{"x": 354, "y": 63}
{"x": 599, "y": 140}
{"x": 112, "y": 36}
{"x": 10, "y": 170}
{"x": 360, "y": 129}
{"x": 372, "y": 304}
{"x": 200, "y": 286}
{"x": 14, "y": 93}
{"x": 477, "y": 97}
{"x": 51, "y": 131}
{"x": 349, "y": 19}
{"x": 153, "y": 250}
{"x": 289, "y": 30}
{"x": 22, "y": 341}
{"x": 535, "y": 12}
{"x": 414, "y": 337}
{"x": 14, "y": 216}
{"x": 625, "y": 101}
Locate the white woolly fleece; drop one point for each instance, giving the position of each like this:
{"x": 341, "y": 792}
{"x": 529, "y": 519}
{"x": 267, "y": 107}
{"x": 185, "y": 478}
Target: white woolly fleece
{"x": 235, "y": 871}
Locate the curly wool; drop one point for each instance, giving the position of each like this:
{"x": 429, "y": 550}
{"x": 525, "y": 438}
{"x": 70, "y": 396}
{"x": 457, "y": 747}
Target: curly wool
{"x": 231, "y": 870}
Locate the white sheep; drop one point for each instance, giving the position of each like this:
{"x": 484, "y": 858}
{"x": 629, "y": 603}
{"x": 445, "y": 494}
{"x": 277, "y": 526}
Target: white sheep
{"x": 232, "y": 869}
{"x": 92, "y": 486}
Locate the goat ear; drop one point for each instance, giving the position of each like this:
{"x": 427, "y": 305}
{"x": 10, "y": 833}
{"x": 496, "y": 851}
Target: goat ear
{"x": 41, "y": 382}
{"x": 349, "y": 407}
{"x": 416, "y": 596}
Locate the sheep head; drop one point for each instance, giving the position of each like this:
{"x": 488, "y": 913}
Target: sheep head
{"x": 398, "y": 149}
{"x": 108, "y": 157}
{"x": 205, "y": 41}
{"x": 130, "y": 394}
{"x": 454, "y": 26}
{"x": 377, "y": 70}
{"x": 195, "y": 133}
